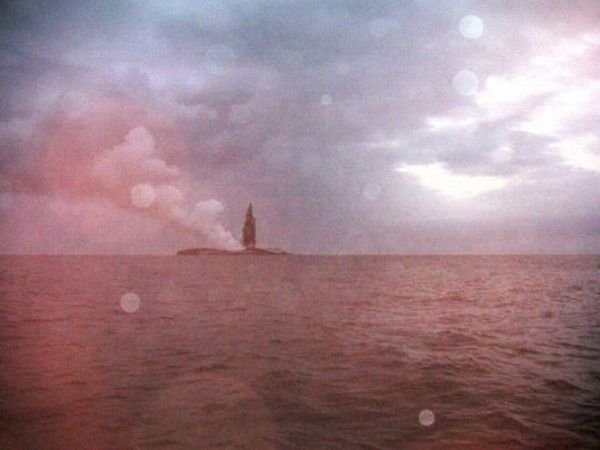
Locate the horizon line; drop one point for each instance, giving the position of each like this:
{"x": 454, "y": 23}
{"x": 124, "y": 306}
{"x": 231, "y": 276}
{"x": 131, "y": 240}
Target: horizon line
{"x": 309, "y": 254}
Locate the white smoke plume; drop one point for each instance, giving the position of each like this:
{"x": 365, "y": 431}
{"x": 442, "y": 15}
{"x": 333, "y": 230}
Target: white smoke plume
{"x": 136, "y": 167}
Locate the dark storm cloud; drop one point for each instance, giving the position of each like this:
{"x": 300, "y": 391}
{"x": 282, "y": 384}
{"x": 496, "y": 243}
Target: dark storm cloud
{"x": 307, "y": 107}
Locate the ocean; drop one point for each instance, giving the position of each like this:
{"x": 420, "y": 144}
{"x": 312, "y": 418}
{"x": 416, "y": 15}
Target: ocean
{"x": 299, "y": 352}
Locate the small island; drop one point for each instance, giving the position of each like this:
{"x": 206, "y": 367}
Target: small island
{"x": 215, "y": 251}
{"x": 248, "y": 241}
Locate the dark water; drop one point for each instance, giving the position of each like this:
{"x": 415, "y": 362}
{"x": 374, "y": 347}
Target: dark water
{"x": 299, "y": 352}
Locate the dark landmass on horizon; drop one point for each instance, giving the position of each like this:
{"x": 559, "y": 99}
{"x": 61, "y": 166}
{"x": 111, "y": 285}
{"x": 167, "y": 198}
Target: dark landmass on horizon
{"x": 216, "y": 251}
{"x": 248, "y": 242}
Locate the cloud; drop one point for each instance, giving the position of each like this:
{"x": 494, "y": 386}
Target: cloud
{"x": 16, "y": 129}
{"x": 307, "y": 109}
{"x": 581, "y": 151}
{"x": 549, "y": 95}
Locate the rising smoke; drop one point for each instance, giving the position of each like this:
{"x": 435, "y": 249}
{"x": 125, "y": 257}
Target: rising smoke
{"x": 161, "y": 190}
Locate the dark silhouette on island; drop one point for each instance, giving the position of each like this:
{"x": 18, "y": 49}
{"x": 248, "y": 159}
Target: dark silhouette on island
{"x": 249, "y": 230}
{"x": 248, "y": 241}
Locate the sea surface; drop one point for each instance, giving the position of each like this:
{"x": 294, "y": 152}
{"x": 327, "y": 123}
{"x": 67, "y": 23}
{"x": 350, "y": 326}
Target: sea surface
{"x": 299, "y": 352}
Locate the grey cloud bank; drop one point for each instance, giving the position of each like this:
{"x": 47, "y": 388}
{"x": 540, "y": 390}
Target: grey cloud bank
{"x": 350, "y": 125}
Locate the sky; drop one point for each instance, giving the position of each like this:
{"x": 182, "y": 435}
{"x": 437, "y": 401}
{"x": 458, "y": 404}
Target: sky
{"x": 379, "y": 127}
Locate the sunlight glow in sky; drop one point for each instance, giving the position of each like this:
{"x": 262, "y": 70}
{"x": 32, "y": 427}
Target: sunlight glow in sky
{"x": 435, "y": 176}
